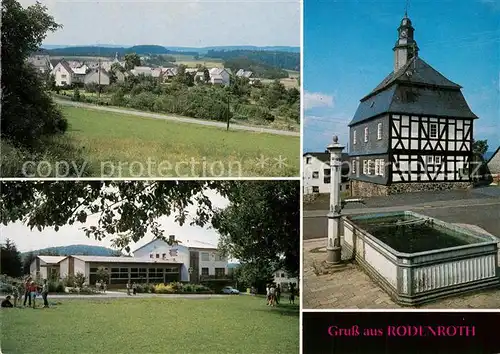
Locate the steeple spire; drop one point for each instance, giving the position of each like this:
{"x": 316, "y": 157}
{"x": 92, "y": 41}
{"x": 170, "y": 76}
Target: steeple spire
{"x": 406, "y": 47}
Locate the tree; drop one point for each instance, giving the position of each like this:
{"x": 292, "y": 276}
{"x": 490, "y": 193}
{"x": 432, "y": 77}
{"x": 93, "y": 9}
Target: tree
{"x": 257, "y": 274}
{"x": 103, "y": 274}
{"x": 480, "y": 146}
{"x": 28, "y": 112}
{"x": 262, "y": 221}
{"x": 115, "y": 67}
{"x": 132, "y": 60}
{"x": 10, "y": 259}
{"x": 79, "y": 279}
{"x": 27, "y": 259}
{"x": 206, "y": 75}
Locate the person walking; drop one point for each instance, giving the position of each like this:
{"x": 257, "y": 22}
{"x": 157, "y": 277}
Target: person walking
{"x": 134, "y": 288}
{"x": 45, "y": 292}
{"x": 27, "y": 291}
{"x": 278, "y": 294}
{"x": 268, "y": 296}
{"x": 272, "y": 295}
{"x": 104, "y": 287}
{"x": 33, "y": 290}
{"x": 128, "y": 288}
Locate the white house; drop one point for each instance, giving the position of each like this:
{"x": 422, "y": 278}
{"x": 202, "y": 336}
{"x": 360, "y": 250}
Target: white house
{"x": 243, "y": 73}
{"x": 41, "y": 63}
{"x": 93, "y": 76}
{"x": 199, "y": 260}
{"x": 316, "y": 175}
{"x": 44, "y": 267}
{"x": 63, "y": 74}
{"x": 282, "y": 279}
{"x": 219, "y": 76}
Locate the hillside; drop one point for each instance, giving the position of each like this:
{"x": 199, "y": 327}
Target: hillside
{"x": 84, "y": 250}
{"x": 276, "y": 59}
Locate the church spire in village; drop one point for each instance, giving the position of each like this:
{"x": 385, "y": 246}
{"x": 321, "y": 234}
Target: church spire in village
{"x": 406, "y": 47}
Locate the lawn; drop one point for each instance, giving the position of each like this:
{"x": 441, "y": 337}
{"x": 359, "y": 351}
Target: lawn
{"x": 232, "y": 324}
{"x": 122, "y": 145}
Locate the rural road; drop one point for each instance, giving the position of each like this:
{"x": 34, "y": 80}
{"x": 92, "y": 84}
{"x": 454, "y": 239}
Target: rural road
{"x": 177, "y": 119}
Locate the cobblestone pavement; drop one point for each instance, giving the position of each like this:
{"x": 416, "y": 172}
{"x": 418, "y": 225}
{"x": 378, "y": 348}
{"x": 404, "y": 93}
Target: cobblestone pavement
{"x": 351, "y": 288}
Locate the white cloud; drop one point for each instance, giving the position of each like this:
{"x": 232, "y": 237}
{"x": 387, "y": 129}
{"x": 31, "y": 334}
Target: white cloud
{"x": 316, "y": 99}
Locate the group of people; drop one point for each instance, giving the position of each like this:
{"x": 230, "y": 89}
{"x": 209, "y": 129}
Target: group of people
{"x": 101, "y": 285}
{"x": 273, "y": 295}
{"x": 30, "y": 290}
{"x": 132, "y": 286}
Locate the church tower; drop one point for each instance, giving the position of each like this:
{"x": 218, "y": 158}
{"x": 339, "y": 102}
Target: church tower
{"x": 406, "y": 48}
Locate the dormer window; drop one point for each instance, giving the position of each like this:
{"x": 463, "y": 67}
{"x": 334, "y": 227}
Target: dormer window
{"x": 366, "y": 134}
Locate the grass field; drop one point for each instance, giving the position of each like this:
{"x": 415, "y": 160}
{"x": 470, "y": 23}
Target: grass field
{"x": 122, "y": 145}
{"x": 233, "y": 324}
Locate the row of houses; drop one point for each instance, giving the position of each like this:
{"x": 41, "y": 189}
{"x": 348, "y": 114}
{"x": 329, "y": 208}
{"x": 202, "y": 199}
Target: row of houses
{"x": 155, "y": 262}
{"x": 100, "y": 72}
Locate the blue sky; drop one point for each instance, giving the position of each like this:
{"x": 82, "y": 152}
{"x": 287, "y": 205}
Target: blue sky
{"x": 348, "y": 51}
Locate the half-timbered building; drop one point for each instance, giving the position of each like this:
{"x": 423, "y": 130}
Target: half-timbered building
{"x": 414, "y": 131}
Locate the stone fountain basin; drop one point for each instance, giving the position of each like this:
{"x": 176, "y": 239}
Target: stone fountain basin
{"x": 466, "y": 261}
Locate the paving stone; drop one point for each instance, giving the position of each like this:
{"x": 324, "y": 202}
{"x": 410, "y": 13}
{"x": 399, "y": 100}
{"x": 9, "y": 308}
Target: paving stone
{"x": 351, "y": 288}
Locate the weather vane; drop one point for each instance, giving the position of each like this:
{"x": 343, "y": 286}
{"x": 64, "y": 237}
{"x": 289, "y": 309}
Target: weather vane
{"x": 406, "y": 8}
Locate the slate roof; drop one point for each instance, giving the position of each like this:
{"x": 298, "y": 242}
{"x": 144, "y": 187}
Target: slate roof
{"x": 416, "y": 89}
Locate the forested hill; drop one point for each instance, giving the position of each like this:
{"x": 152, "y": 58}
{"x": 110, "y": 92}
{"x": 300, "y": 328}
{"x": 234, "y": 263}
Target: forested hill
{"x": 260, "y": 70}
{"x": 88, "y": 51}
{"x": 83, "y": 250}
{"x": 277, "y": 59}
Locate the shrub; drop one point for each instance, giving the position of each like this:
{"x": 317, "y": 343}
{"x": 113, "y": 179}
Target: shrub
{"x": 69, "y": 281}
{"x": 76, "y": 94}
{"x": 56, "y": 287}
{"x": 163, "y": 289}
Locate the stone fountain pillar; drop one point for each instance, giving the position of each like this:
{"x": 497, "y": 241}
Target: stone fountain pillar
{"x": 333, "y": 248}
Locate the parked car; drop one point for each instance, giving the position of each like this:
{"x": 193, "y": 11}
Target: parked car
{"x": 230, "y": 290}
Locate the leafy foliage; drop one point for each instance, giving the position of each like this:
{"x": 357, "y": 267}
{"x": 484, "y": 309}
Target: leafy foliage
{"x": 28, "y": 112}
{"x": 10, "y": 259}
{"x": 480, "y": 146}
{"x": 278, "y": 59}
{"x": 132, "y": 60}
{"x": 261, "y": 222}
{"x": 103, "y": 274}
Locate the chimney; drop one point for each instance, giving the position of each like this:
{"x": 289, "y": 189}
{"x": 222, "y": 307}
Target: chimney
{"x": 171, "y": 238}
